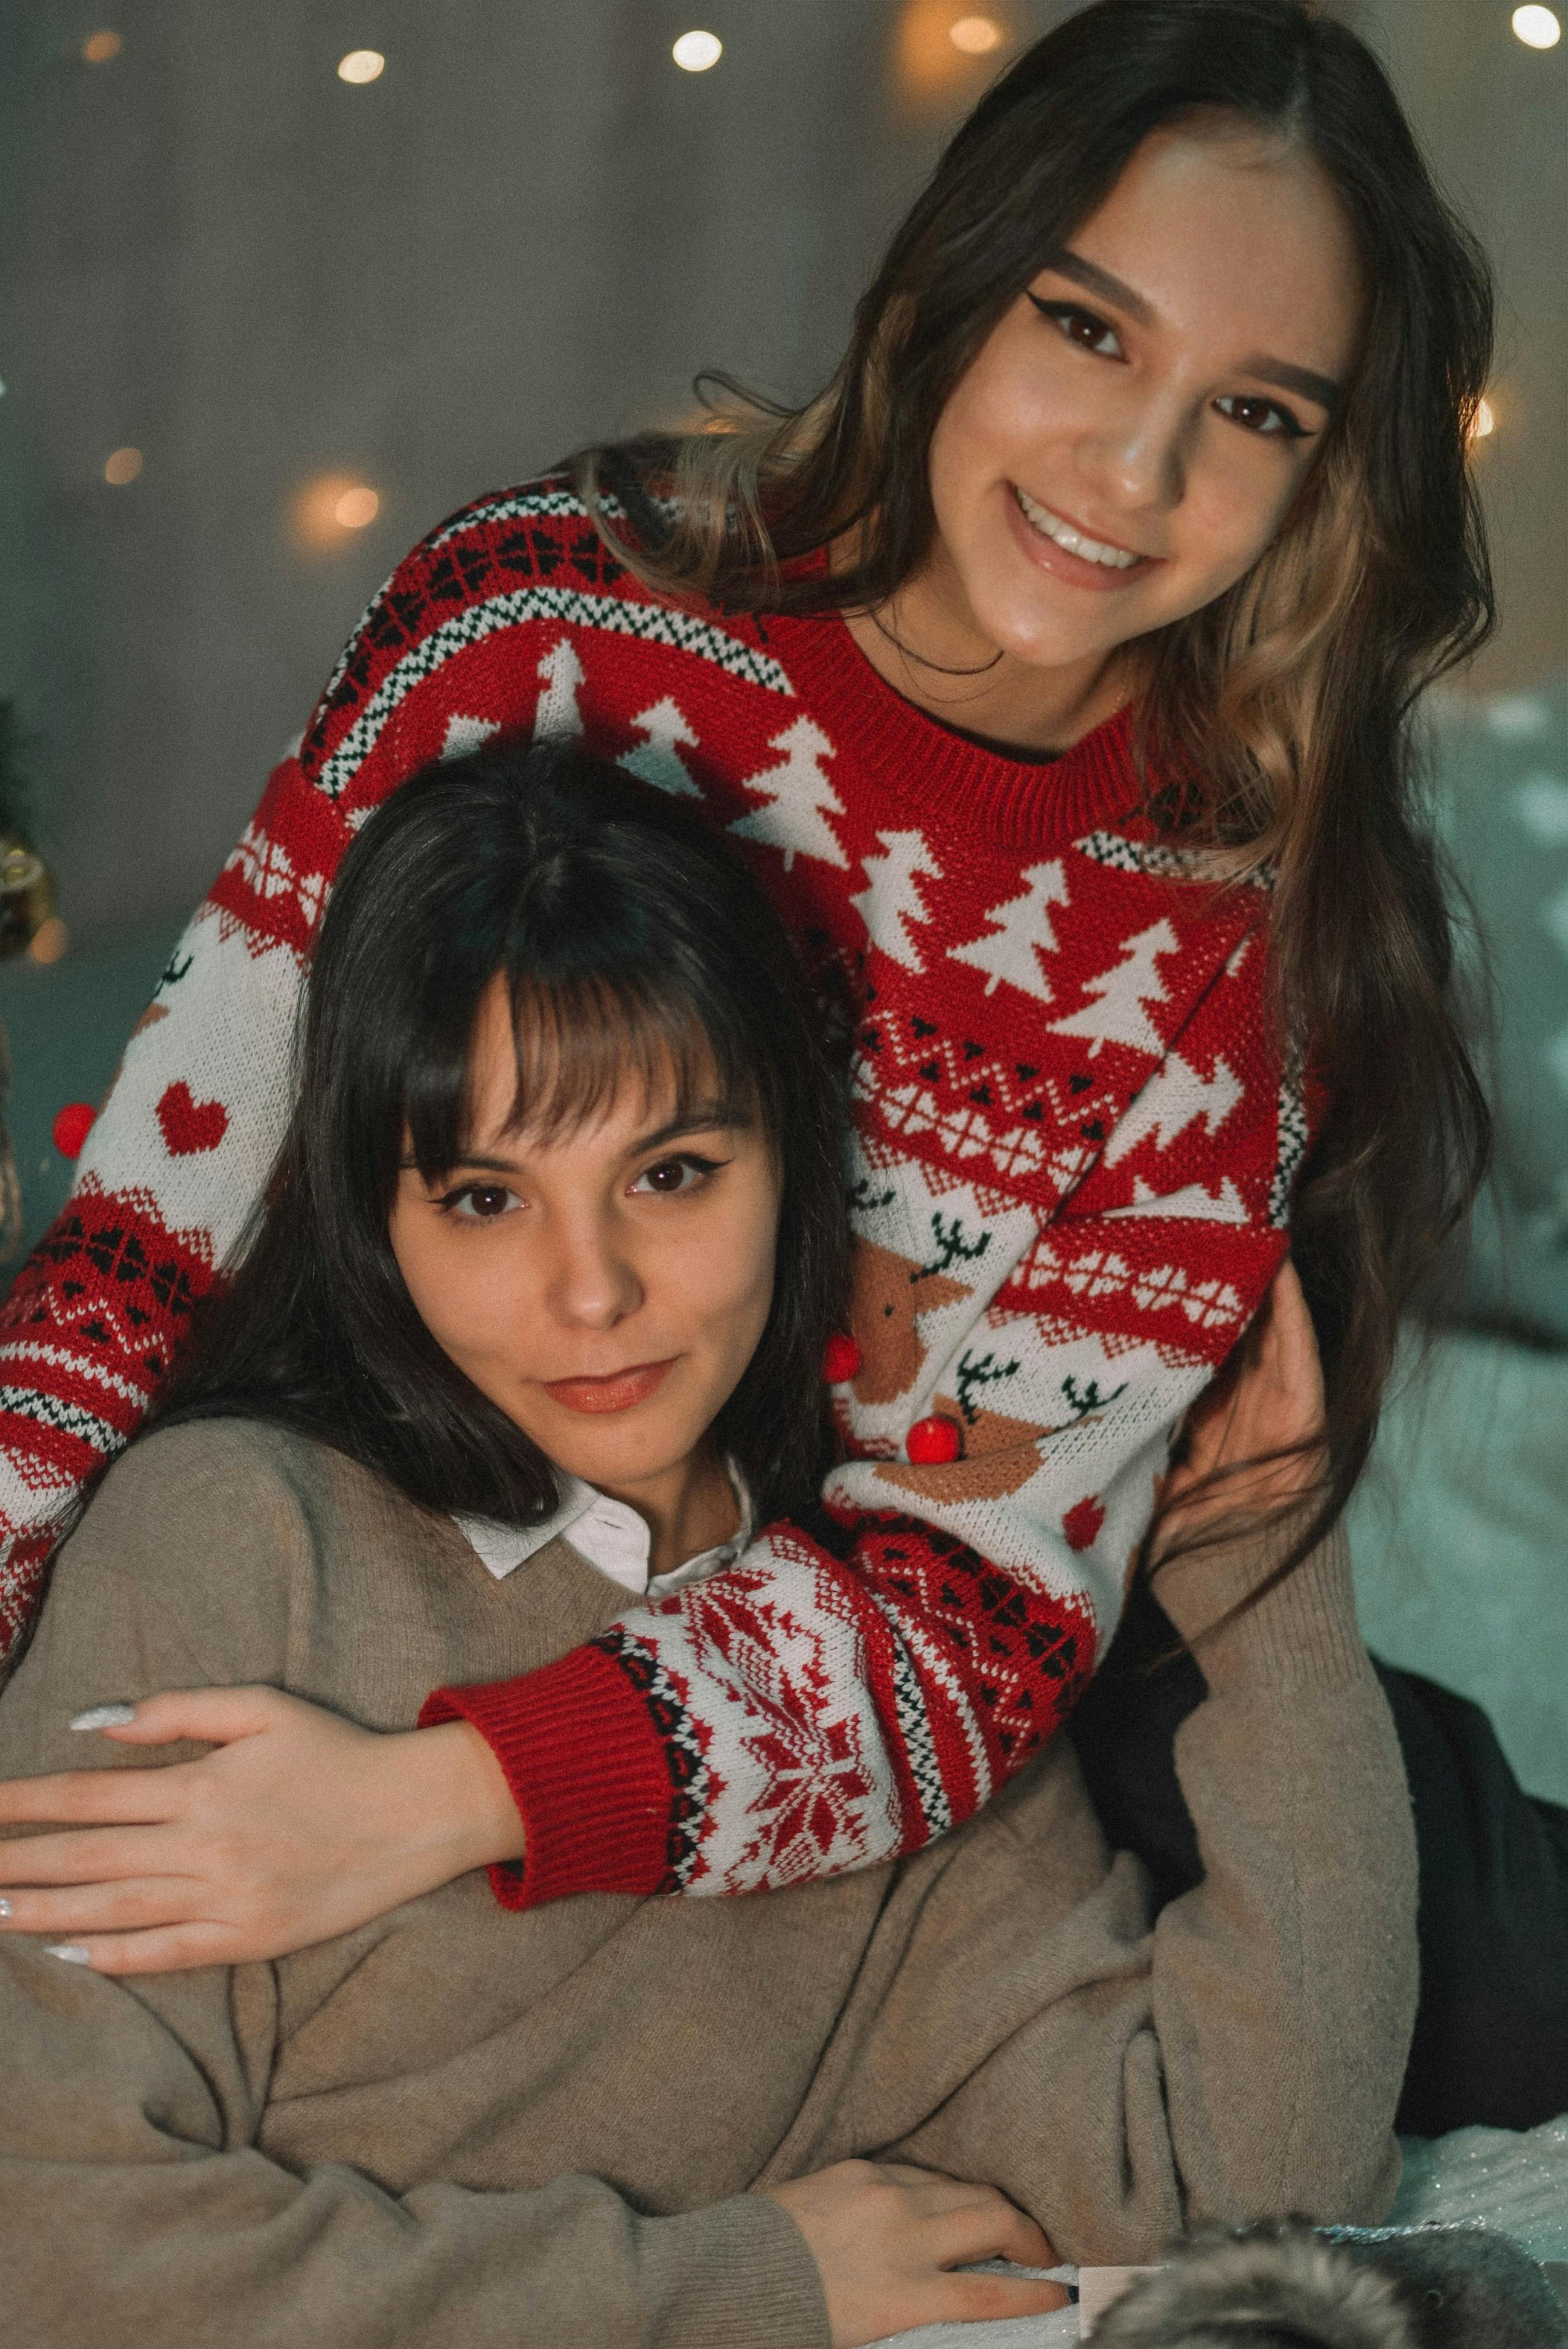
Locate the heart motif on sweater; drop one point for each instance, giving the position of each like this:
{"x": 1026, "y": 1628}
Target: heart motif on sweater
{"x": 189, "y": 1125}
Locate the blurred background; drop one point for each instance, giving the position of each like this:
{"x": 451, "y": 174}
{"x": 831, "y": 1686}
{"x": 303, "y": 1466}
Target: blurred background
{"x": 286, "y": 285}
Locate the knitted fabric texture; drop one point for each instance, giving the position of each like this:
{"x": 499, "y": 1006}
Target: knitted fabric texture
{"x": 1072, "y": 1159}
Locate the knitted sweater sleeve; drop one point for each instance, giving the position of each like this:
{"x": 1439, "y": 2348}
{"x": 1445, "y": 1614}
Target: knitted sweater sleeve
{"x": 848, "y": 1691}
{"x": 102, "y": 1309}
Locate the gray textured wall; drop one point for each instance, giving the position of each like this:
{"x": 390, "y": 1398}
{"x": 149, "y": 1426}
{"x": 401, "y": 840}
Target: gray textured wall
{"x": 1493, "y": 116}
{"x": 533, "y": 228}
{"x": 530, "y": 230}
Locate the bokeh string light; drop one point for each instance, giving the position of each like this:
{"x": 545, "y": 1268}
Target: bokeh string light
{"x": 1483, "y": 424}
{"x": 938, "y": 44}
{"x": 696, "y": 52}
{"x": 1538, "y": 28}
{"x": 121, "y": 467}
{"x": 361, "y": 66}
{"x": 102, "y": 48}
{"x": 976, "y": 36}
{"x": 327, "y": 512}
{"x": 357, "y": 507}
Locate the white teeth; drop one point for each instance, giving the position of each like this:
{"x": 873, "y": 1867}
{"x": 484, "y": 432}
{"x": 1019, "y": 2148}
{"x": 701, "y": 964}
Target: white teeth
{"x": 1050, "y": 525}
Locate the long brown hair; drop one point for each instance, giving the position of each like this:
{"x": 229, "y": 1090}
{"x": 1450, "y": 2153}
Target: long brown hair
{"x": 1287, "y": 704}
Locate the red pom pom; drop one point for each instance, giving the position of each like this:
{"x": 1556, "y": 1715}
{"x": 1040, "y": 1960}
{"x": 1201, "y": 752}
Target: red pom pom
{"x": 1082, "y": 1522}
{"x": 932, "y": 1443}
{"x": 72, "y": 1126}
{"x": 841, "y": 1358}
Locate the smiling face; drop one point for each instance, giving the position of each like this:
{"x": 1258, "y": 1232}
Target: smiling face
{"x": 1135, "y": 428}
{"x": 606, "y": 1287}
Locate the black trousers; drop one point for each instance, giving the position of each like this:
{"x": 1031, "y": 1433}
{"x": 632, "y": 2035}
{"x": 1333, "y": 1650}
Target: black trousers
{"x": 1491, "y": 2033}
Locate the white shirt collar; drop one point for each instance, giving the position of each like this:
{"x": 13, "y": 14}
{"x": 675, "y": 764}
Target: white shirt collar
{"x": 608, "y": 1533}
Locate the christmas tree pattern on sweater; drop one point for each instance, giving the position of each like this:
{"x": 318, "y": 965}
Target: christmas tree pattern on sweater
{"x": 1073, "y": 1153}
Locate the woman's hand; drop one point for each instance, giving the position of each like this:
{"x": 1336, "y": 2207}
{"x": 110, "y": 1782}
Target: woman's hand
{"x": 884, "y": 2237}
{"x": 298, "y": 1827}
{"x": 1252, "y": 1442}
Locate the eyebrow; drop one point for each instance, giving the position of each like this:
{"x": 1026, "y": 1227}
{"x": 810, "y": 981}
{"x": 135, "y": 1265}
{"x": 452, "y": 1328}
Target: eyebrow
{"x": 702, "y": 1117}
{"x": 1282, "y": 373}
{"x": 1287, "y": 377}
{"x": 1096, "y": 280}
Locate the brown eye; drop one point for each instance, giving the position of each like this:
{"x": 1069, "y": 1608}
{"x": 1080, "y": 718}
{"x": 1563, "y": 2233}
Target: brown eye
{"x": 480, "y": 1202}
{"x": 670, "y": 1175}
{"x": 673, "y": 1176}
{"x": 1080, "y": 327}
{"x": 1263, "y": 417}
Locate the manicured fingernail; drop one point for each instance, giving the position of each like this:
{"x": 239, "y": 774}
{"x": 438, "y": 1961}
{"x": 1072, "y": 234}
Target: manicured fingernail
{"x": 72, "y": 1951}
{"x": 106, "y": 1716}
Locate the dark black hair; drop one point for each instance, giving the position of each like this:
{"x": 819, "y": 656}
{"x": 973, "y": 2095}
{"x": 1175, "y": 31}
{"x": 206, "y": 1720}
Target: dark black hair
{"x": 628, "y": 937}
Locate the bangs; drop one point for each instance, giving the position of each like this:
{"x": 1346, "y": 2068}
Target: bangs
{"x": 578, "y": 1045}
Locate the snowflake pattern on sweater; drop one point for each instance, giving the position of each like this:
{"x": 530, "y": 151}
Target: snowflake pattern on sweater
{"x": 1073, "y": 1154}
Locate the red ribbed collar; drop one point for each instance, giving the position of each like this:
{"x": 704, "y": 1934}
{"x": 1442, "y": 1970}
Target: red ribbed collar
{"x": 1013, "y": 803}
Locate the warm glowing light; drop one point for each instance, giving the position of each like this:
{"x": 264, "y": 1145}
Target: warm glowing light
{"x": 361, "y": 66}
{"x": 101, "y": 48}
{"x": 1538, "y": 28}
{"x": 695, "y": 52}
{"x": 976, "y": 35}
{"x": 1484, "y": 421}
{"x": 936, "y": 44}
{"x": 325, "y": 511}
{"x": 49, "y": 940}
{"x": 356, "y": 508}
{"x": 121, "y": 467}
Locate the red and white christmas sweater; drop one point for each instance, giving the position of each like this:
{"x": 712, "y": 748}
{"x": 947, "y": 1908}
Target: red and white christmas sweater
{"x": 1073, "y": 1154}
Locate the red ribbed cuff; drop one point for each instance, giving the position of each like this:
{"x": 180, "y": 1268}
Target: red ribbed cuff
{"x": 587, "y": 1771}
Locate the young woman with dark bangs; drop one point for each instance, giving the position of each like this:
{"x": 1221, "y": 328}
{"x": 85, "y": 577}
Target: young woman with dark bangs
{"x": 1057, "y": 667}
{"x": 531, "y": 1319}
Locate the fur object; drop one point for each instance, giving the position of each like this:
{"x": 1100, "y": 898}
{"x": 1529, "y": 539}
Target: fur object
{"x": 1285, "y": 2285}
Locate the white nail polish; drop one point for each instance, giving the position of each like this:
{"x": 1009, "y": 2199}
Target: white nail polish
{"x": 5, "y": 1908}
{"x": 72, "y": 1951}
{"x": 106, "y": 1716}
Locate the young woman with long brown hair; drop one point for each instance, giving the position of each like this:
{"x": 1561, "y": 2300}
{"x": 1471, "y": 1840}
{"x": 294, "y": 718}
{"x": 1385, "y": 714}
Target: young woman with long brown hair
{"x": 1058, "y": 666}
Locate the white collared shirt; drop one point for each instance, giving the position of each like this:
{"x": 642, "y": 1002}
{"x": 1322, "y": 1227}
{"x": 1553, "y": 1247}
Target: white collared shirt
{"x": 608, "y": 1533}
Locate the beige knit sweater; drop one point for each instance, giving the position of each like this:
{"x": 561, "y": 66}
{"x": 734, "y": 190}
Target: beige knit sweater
{"x": 465, "y": 2128}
